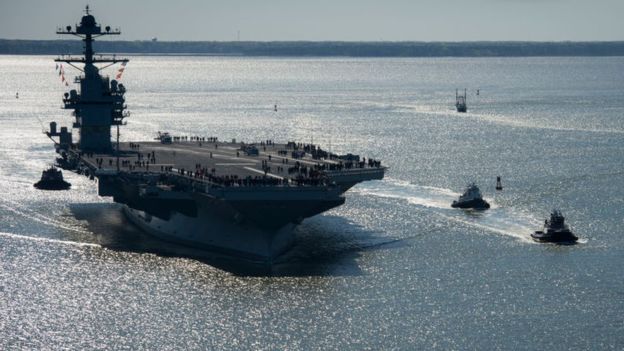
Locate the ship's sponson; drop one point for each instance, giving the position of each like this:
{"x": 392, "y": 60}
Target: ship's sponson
{"x": 161, "y": 178}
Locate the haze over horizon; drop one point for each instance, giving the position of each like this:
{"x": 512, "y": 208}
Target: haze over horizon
{"x": 324, "y": 20}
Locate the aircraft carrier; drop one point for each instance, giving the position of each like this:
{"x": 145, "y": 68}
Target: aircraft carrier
{"x": 241, "y": 199}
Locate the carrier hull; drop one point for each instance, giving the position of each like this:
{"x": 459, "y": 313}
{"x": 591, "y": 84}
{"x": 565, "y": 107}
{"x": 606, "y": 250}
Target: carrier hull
{"x": 207, "y": 232}
{"x": 250, "y": 220}
{"x": 253, "y": 224}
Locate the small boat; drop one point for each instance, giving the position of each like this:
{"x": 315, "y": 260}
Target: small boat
{"x": 52, "y": 179}
{"x": 555, "y": 230}
{"x": 460, "y": 102}
{"x": 471, "y": 198}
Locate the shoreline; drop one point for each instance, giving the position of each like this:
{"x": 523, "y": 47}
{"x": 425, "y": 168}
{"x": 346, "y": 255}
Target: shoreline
{"x": 321, "y": 49}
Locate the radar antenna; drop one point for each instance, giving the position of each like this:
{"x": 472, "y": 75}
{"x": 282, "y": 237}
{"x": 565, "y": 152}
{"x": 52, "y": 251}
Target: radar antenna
{"x": 100, "y": 102}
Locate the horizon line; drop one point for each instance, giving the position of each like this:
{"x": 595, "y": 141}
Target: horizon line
{"x": 337, "y": 41}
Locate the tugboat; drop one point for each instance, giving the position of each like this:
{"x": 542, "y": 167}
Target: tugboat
{"x": 555, "y": 230}
{"x": 52, "y": 179}
{"x": 460, "y": 102}
{"x": 471, "y": 198}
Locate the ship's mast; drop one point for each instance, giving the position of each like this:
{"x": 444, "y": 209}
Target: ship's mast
{"x": 100, "y": 103}
{"x": 88, "y": 30}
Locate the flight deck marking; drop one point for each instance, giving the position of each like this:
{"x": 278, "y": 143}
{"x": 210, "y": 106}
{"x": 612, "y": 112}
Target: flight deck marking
{"x": 235, "y": 164}
{"x": 262, "y": 172}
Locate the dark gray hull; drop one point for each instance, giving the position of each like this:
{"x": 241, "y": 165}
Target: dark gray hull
{"x": 255, "y": 224}
{"x": 559, "y": 237}
{"x": 474, "y": 204}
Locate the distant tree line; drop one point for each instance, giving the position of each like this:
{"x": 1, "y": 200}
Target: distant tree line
{"x": 326, "y": 48}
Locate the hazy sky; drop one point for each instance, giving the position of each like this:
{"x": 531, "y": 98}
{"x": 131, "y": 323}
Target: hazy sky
{"x": 351, "y": 20}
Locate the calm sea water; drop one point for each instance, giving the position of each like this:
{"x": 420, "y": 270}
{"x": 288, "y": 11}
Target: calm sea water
{"x": 394, "y": 268}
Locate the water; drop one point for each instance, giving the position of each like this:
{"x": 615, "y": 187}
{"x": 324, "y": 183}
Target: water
{"x": 394, "y": 268}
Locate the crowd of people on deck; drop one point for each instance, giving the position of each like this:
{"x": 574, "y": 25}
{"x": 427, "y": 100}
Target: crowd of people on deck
{"x": 306, "y": 177}
{"x": 251, "y": 181}
{"x": 143, "y": 161}
{"x": 347, "y": 161}
{"x": 300, "y": 174}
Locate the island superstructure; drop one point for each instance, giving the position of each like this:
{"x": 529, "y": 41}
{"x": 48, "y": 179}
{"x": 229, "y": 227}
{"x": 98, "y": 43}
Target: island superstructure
{"x": 239, "y": 198}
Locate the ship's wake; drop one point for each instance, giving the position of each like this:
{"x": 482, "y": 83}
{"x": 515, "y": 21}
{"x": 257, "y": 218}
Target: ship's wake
{"x": 424, "y": 196}
{"x": 47, "y": 240}
{"x": 504, "y": 221}
{"x": 505, "y": 120}
{"x": 35, "y": 216}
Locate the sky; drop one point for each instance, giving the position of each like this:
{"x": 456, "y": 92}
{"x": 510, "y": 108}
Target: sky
{"x": 318, "y": 20}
